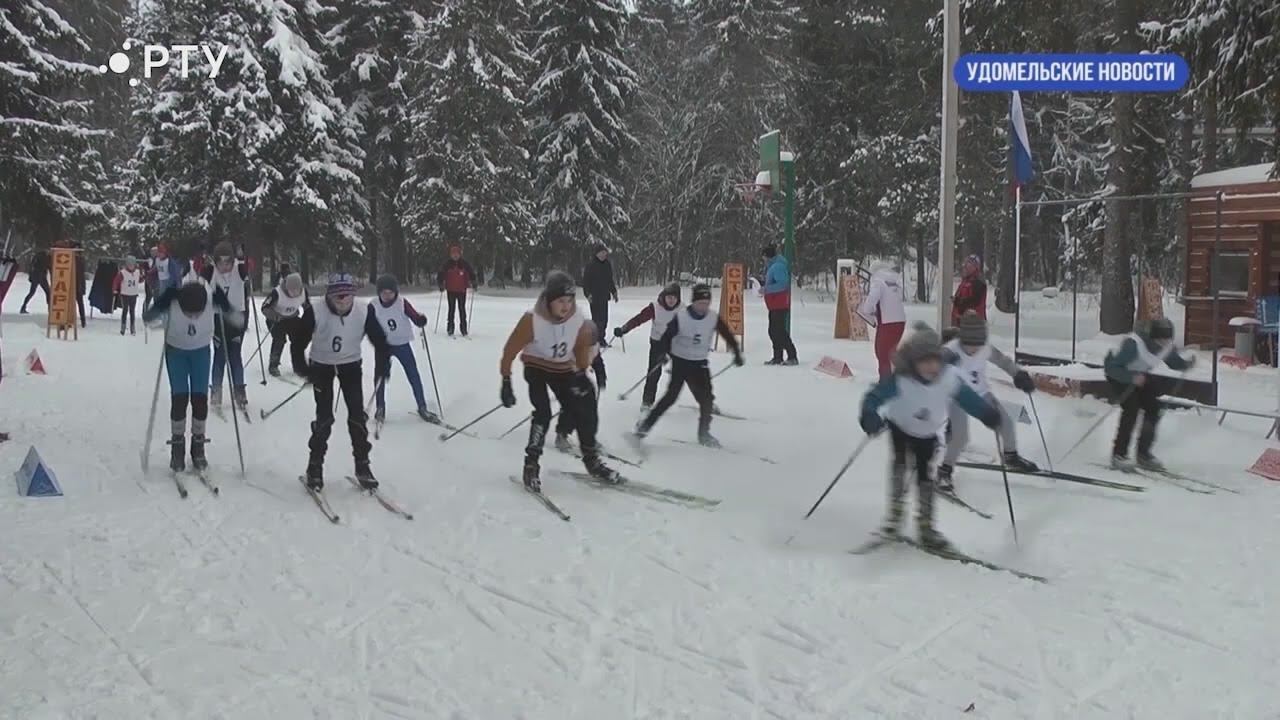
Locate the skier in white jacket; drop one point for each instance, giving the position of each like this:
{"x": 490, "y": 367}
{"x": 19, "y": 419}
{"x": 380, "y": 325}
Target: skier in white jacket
{"x": 883, "y": 310}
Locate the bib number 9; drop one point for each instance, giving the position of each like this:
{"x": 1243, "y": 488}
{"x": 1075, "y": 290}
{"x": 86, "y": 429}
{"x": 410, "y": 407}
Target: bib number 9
{"x": 391, "y": 324}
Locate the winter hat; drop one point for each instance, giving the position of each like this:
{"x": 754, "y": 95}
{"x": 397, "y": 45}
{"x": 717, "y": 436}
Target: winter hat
{"x": 924, "y": 343}
{"x": 973, "y": 329}
{"x": 672, "y": 290}
{"x": 223, "y": 250}
{"x": 193, "y": 298}
{"x": 769, "y": 251}
{"x": 340, "y": 284}
{"x": 975, "y": 261}
{"x": 701, "y": 291}
{"x": 130, "y": 260}
{"x": 559, "y": 284}
{"x": 599, "y": 248}
{"x": 1160, "y": 329}
{"x": 388, "y": 282}
{"x": 455, "y": 246}
{"x": 293, "y": 284}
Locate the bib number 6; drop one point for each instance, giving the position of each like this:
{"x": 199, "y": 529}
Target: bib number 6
{"x": 336, "y": 344}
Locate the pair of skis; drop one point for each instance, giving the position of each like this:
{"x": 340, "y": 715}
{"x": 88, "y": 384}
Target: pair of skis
{"x": 1190, "y": 484}
{"x": 879, "y": 540}
{"x": 1053, "y": 475}
{"x": 625, "y": 485}
{"x": 323, "y": 503}
{"x": 202, "y": 475}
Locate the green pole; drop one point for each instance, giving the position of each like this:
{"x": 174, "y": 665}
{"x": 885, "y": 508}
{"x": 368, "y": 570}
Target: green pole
{"x": 789, "y": 221}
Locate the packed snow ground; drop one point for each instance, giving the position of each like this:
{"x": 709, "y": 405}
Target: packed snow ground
{"x": 120, "y": 600}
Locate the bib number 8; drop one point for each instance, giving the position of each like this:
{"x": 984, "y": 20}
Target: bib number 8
{"x": 559, "y": 351}
{"x": 337, "y": 344}
{"x": 973, "y": 375}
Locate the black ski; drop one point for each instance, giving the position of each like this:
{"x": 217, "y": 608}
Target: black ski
{"x": 1196, "y": 481}
{"x": 878, "y": 540}
{"x": 383, "y": 501}
{"x": 717, "y": 413}
{"x": 546, "y": 501}
{"x": 1052, "y": 475}
{"x": 951, "y": 497}
{"x": 958, "y": 556}
{"x": 643, "y": 489}
{"x": 207, "y": 481}
{"x": 761, "y": 458}
{"x": 572, "y": 450}
{"x": 321, "y": 502}
{"x": 182, "y": 489}
{"x": 1165, "y": 477}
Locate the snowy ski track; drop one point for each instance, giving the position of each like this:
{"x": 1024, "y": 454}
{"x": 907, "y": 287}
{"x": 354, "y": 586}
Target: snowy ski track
{"x": 121, "y": 600}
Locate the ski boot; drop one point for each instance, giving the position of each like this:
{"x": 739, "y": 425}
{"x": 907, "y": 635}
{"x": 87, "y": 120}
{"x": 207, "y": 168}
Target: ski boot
{"x": 315, "y": 475}
{"x": 274, "y": 369}
{"x": 121, "y": 331}
{"x": 1014, "y": 462}
{"x": 596, "y": 467}
{"x": 791, "y": 362}
{"x": 215, "y": 397}
{"x": 931, "y": 539}
{"x": 773, "y": 361}
{"x": 364, "y": 476}
{"x": 562, "y": 443}
{"x": 891, "y": 527}
{"x": 429, "y": 416}
{"x": 198, "y": 461}
{"x": 706, "y": 439}
{"x": 177, "y": 452}
{"x": 1151, "y": 463}
{"x": 239, "y": 397}
{"x": 380, "y": 415}
{"x": 531, "y": 470}
{"x": 1121, "y": 463}
{"x": 943, "y": 482}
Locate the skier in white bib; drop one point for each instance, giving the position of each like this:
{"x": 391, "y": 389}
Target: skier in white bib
{"x": 392, "y": 317}
{"x": 1129, "y": 369}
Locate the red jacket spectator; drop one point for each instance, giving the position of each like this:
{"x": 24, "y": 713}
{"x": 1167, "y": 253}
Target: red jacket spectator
{"x": 972, "y": 292}
{"x": 456, "y": 275}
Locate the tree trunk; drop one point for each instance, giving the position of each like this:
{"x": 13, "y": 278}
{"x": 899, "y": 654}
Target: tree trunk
{"x": 1209, "y": 141}
{"x": 922, "y": 289}
{"x": 1116, "y": 310}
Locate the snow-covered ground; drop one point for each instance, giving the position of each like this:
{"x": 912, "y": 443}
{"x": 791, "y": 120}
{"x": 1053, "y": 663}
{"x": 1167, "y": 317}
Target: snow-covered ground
{"x": 120, "y": 600}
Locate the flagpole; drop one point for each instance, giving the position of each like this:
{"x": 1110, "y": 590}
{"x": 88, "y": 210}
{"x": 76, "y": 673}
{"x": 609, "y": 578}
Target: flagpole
{"x": 1017, "y": 264}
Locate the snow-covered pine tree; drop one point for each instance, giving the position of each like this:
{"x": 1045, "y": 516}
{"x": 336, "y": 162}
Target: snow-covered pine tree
{"x": 469, "y": 182}
{"x": 373, "y": 41}
{"x": 265, "y": 153}
{"x": 51, "y": 174}
{"x": 579, "y": 131}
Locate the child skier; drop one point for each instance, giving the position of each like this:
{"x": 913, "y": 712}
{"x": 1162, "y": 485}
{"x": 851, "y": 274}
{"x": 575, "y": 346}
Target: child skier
{"x": 883, "y": 310}
{"x": 660, "y": 312}
{"x": 334, "y": 332}
{"x": 564, "y": 423}
{"x": 555, "y": 342}
{"x": 226, "y": 273}
{"x": 127, "y": 286}
{"x": 283, "y": 311}
{"x": 1128, "y": 368}
{"x": 969, "y": 354}
{"x": 915, "y": 399}
{"x": 392, "y": 318}
{"x": 687, "y": 340}
{"x": 188, "y": 333}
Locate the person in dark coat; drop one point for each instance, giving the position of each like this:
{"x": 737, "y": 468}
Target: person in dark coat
{"x": 80, "y": 281}
{"x": 598, "y": 287}
{"x": 456, "y": 276}
{"x": 38, "y": 274}
{"x": 971, "y": 293}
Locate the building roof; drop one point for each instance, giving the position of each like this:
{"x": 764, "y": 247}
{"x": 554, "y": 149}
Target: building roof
{"x": 1234, "y": 176}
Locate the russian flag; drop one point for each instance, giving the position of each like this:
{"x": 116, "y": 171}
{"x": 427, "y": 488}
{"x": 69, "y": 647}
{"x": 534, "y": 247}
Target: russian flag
{"x": 1020, "y": 145}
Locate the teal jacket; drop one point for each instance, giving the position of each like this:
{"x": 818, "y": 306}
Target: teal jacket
{"x": 1122, "y": 362}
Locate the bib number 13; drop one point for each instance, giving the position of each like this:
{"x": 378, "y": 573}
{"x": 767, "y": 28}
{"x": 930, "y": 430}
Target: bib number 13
{"x": 559, "y": 351}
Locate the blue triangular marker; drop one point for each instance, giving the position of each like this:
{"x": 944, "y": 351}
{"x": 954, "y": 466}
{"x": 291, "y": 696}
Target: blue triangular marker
{"x": 35, "y": 479}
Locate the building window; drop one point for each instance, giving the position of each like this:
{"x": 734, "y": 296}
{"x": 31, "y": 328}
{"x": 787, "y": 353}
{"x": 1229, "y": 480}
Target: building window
{"x": 1233, "y": 273}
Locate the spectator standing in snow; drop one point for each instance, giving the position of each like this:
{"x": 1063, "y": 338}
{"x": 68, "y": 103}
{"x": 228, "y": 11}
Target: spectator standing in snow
{"x": 456, "y": 276}
{"x": 883, "y": 310}
{"x": 38, "y": 274}
{"x": 598, "y": 287}
{"x": 971, "y": 293}
{"x": 126, "y": 286}
{"x": 166, "y": 272}
{"x": 777, "y": 298}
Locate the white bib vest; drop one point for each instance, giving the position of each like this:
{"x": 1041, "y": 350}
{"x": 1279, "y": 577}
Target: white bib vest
{"x": 286, "y": 306}
{"x": 554, "y": 342}
{"x": 190, "y": 333}
{"x": 973, "y": 368}
{"x": 693, "y": 336}
{"x": 1146, "y": 361}
{"x": 394, "y": 320}
{"x": 661, "y": 319}
{"x": 919, "y": 409}
{"x": 131, "y": 282}
{"x": 233, "y": 285}
{"x": 337, "y": 339}
{"x": 162, "y": 271}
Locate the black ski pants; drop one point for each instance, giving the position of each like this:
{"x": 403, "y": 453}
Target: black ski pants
{"x": 41, "y": 283}
{"x": 780, "y": 336}
{"x": 458, "y": 301}
{"x": 655, "y": 373}
{"x": 577, "y": 409}
{"x": 1144, "y": 398}
{"x": 352, "y": 387}
{"x": 919, "y": 451}
{"x": 600, "y": 316}
{"x": 697, "y": 376}
{"x": 288, "y": 329}
{"x": 128, "y": 309}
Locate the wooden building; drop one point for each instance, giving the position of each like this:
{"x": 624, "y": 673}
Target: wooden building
{"x": 1248, "y": 251}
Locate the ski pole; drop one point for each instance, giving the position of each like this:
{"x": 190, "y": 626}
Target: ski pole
{"x": 1123, "y": 398}
{"x": 843, "y": 469}
{"x": 439, "y": 302}
{"x": 1008, "y": 496}
{"x": 258, "y": 350}
{"x": 471, "y": 311}
{"x": 432, "y": 369}
{"x": 235, "y": 416}
{"x": 268, "y": 413}
{"x": 337, "y": 398}
{"x": 526, "y": 419}
{"x": 1041, "y": 429}
{"x": 640, "y": 382}
{"x": 151, "y": 422}
{"x": 377, "y": 387}
{"x": 253, "y": 306}
{"x": 623, "y": 339}
{"x": 445, "y": 437}
{"x": 722, "y": 370}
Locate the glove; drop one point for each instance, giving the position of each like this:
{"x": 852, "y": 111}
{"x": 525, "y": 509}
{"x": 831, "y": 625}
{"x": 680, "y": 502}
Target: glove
{"x": 617, "y": 332}
{"x": 615, "y": 297}
{"x": 871, "y": 423}
{"x": 580, "y": 386}
{"x": 737, "y": 359}
{"x": 1022, "y": 380}
{"x": 508, "y": 395}
{"x": 991, "y": 418}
